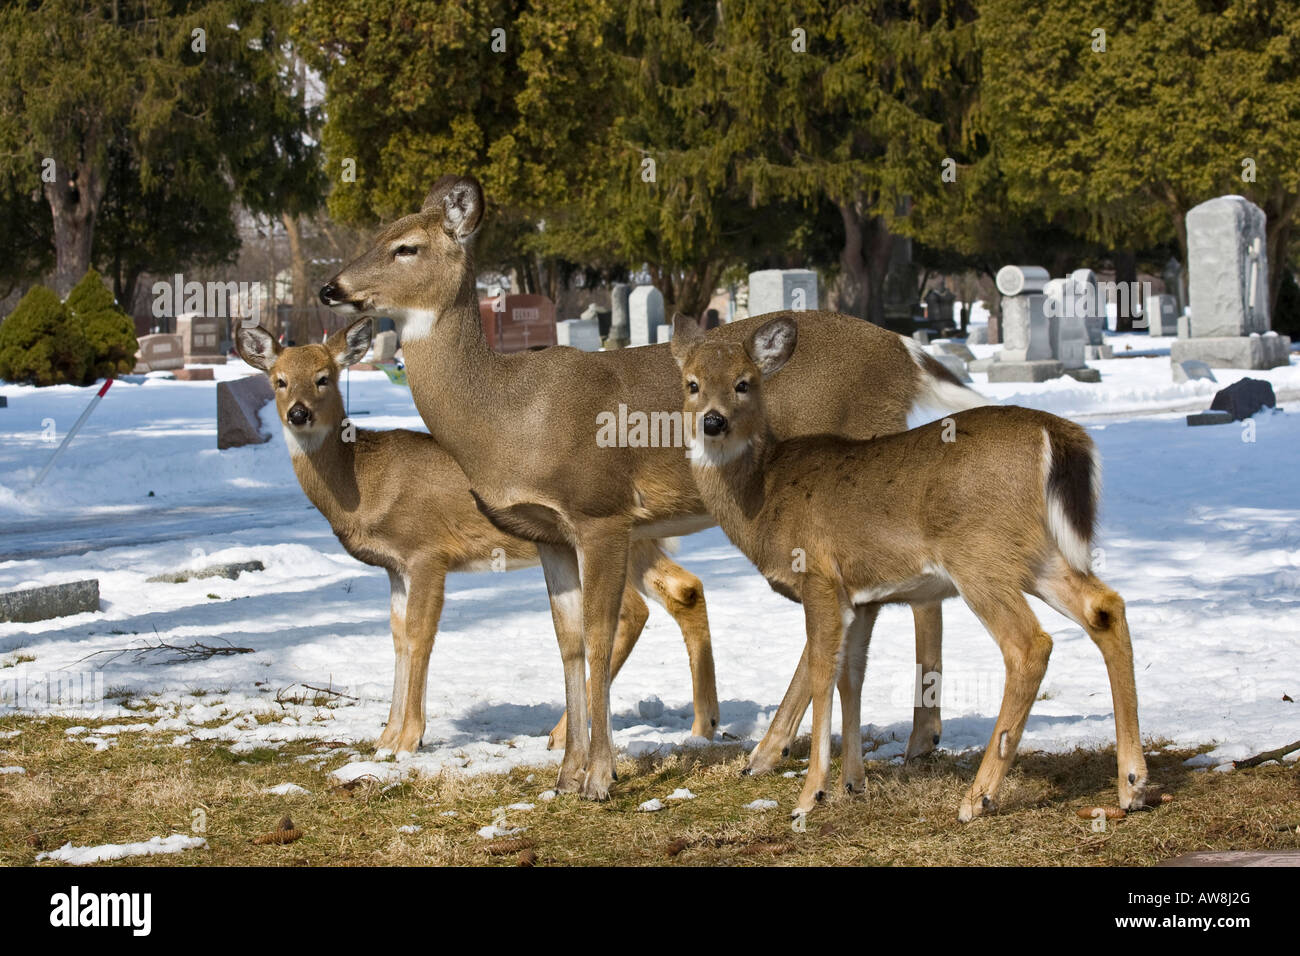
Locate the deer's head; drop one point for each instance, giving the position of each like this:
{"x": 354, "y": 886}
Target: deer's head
{"x": 306, "y": 379}
{"x": 722, "y": 383}
{"x": 420, "y": 265}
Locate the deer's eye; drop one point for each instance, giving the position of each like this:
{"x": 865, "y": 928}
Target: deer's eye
{"x": 322, "y": 381}
{"x": 742, "y": 386}
{"x": 281, "y": 383}
{"x": 405, "y": 251}
{"x": 693, "y": 387}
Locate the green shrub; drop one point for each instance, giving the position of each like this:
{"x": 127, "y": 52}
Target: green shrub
{"x": 109, "y": 331}
{"x": 40, "y": 344}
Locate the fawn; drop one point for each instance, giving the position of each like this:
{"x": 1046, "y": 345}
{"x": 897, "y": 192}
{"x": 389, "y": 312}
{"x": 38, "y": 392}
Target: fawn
{"x": 396, "y": 500}
{"x": 990, "y": 504}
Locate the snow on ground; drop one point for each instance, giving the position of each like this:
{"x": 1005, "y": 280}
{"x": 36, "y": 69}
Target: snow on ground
{"x": 1200, "y": 533}
{"x": 82, "y": 855}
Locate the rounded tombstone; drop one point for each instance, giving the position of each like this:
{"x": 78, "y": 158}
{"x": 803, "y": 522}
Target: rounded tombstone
{"x": 1018, "y": 280}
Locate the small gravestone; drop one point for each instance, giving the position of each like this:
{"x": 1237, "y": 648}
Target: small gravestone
{"x": 1191, "y": 370}
{"x": 711, "y": 319}
{"x": 1244, "y": 398}
{"x": 579, "y": 334}
{"x": 663, "y": 333}
{"x": 1210, "y": 418}
{"x": 384, "y": 348}
{"x": 922, "y": 336}
{"x": 977, "y": 335}
{"x": 53, "y": 600}
{"x": 1066, "y": 333}
{"x": 939, "y": 307}
{"x": 238, "y": 404}
{"x": 645, "y": 312}
{"x": 1227, "y": 263}
{"x": 1161, "y": 314}
{"x": 1026, "y": 354}
{"x": 1173, "y": 279}
{"x": 200, "y": 338}
{"x": 159, "y": 352}
{"x": 782, "y": 290}
{"x": 620, "y": 332}
{"x": 1088, "y": 306}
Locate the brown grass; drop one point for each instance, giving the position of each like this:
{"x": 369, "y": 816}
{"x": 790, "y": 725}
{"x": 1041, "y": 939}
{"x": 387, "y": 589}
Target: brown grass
{"x": 144, "y": 787}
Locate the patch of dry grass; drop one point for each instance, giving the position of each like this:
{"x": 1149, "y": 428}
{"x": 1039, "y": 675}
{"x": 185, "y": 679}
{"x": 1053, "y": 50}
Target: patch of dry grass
{"x": 144, "y": 787}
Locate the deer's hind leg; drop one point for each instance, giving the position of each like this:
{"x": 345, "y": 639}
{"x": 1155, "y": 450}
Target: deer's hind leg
{"x": 927, "y": 722}
{"x": 1100, "y": 611}
{"x": 682, "y": 595}
{"x": 1025, "y": 649}
{"x": 853, "y": 667}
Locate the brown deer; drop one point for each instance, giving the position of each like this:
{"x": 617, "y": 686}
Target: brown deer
{"x": 989, "y": 504}
{"x": 396, "y": 500}
{"x": 524, "y": 428}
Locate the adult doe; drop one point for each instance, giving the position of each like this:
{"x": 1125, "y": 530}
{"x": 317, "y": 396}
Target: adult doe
{"x": 397, "y": 501}
{"x": 524, "y": 429}
{"x": 998, "y": 503}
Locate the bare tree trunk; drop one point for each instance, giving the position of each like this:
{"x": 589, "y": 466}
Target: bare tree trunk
{"x": 1125, "y": 276}
{"x": 74, "y": 200}
{"x": 864, "y": 261}
{"x": 1278, "y": 240}
{"x": 299, "y": 329}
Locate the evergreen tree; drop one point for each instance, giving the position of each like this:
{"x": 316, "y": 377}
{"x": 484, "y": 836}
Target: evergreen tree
{"x": 41, "y": 345}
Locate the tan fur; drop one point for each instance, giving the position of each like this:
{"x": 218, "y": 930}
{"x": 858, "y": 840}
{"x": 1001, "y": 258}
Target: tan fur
{"x": 396, "y": 500}
{"x": 523, "y": 428}
{"x": 935, "y": 512}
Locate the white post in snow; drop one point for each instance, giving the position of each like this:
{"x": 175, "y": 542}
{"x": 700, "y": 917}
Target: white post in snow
{"x": 72, "y": 431}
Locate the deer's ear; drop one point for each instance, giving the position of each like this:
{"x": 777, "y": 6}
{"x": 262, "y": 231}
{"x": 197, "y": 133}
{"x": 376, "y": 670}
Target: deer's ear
{"x": 257, "y": 347}
{"x": 686, "y": 335}
{"x": 461, "y": 198}
{"x": 351, "y": 345}
{"x": 772, "y": 345}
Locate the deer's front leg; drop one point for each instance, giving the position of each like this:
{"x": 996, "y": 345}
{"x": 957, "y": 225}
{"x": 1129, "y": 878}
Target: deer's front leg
{"x": 604, "y": 575}
{"x": 560, "y": 565}
{"x": 785, "y": 725}
{"x": 414, "y": 615}
{"x": 827, "y": 618}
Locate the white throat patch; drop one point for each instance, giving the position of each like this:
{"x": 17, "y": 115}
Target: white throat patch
{"x": 416, "y": 324}
{"x": 303, "y": 443}
{"x": 706, "y": 454}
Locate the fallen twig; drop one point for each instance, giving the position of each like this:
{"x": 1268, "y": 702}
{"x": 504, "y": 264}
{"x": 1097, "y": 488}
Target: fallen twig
{"x": 1268, "y": 755}
{"x": 197, "y": 651}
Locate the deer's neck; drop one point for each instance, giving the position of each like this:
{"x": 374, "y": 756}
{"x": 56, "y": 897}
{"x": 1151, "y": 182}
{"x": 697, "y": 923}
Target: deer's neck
{"x": 327, "y": 471}
{"x": 460, "y": 386}
{"x": 735, "y": 492}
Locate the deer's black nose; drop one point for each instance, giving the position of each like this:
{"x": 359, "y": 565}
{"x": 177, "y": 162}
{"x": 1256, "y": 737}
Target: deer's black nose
{"x": 714, "y": 423}
{"x": 298, "y": 415}
{"x": 330, "y": 293}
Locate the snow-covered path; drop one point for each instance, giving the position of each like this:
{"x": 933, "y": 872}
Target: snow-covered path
{"x": 1200, "y": 533}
